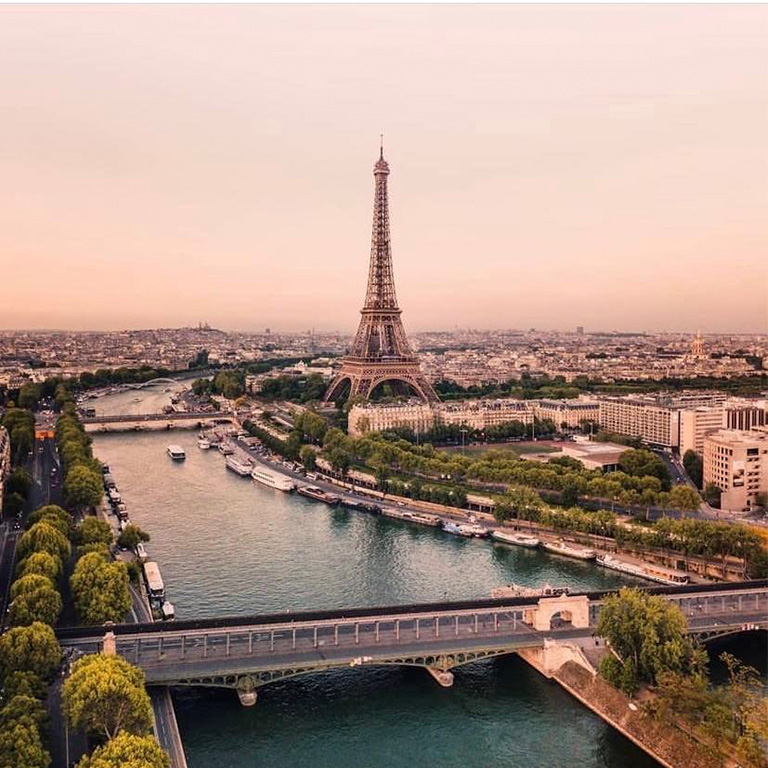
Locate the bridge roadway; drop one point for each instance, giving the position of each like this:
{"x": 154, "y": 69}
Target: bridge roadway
{"x": 201, "y": 416}
{"x": 246, "y": 653}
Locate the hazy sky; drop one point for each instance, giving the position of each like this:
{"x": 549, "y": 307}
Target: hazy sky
{"x": 605, "y": 166}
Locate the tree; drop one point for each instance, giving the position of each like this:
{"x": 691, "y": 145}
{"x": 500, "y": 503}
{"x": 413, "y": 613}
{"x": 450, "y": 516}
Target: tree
{"x": 639, "y": 462}
{"x": 712, "y": 495}
{"x": 127, "y": 750}
{"x": 13, "y": 504}
{"x": 42, "y": 563}
{"x": 19, "y": 481}
{"x": 21, "y": 746}
{"x": 30, "y": 583}
{"x": 23, "y": 684}
{"x": 308, "y": 457}
{"x": 53, "y": 515}
{"x": 83, "y": 487}
{"x": 93, "y": 530}
{"x": 694, "y": 466}
{"x": 105, "y": 695}
{"x": 29, "y": 649}
{"x": 648, "y": 636}
{"x": 130, "y": 537}
{"x": 39, "y": 605}
{"x": 685, "y": 498}
{"x": 100, "y": 589}
{"x": 43, "y": 537}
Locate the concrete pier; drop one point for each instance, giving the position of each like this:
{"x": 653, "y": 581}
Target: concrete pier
{"x": 444, "y": 678}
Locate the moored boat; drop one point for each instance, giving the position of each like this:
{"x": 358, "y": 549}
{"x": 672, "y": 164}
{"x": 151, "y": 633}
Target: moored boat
{"x": 569, "y": 550}
{"x": 318, "y": 494}
{"x": 226, "y": 449}
{"x": 517, "y": 590}
{"x": 519, "y": 539}
{"x": 203, "y": 443}
{"x": 411, "y": 517}
{"x": 272, "y": 479}
{"x": 239, "y": 466}
{"x": 468, "y": 530}
{"x": 650, "y": 571}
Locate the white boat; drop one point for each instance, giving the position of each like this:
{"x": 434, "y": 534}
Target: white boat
{"x": 203, "y": 443}
{"x": 176, "y": 452}
{"x": 516, "y": 590}
{"x": 226, "y": 449}
{"x": 519, "y": 539}
{"x": 272, "y": 479}
{"x": 569, "y": 550}
{"x": 411, "y": 517}
{"x": 468, "y": 530}
{"x": 650, "y": 571}
{"x": 238, "y": 466}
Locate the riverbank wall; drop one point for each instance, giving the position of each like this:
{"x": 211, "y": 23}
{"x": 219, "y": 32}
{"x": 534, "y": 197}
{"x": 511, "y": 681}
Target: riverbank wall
{"x": 665, "y": 743}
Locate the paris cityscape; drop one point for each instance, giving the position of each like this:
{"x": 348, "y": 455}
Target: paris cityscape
{"x": 322, "y": 446}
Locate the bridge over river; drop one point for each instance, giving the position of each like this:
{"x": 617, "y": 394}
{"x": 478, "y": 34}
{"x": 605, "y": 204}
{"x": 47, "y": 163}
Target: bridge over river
{"x": 247, "y": 652}
{"x": 140, "y": 421}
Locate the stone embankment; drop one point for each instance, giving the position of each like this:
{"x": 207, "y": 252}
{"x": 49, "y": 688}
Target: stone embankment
{"x": 666, "y": 743}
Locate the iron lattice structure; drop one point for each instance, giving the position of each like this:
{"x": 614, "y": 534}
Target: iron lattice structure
{"x": 380, "y": 352}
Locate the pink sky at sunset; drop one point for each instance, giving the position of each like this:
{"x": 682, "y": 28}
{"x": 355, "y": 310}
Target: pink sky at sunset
{"x": 605, "y": 166}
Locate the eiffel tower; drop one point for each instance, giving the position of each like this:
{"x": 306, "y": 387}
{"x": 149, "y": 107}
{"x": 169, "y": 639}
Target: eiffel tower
{"x": 380, "y": 352}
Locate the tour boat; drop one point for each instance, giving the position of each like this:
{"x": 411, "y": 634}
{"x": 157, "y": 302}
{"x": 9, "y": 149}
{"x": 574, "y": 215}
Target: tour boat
{"x": 203, "y": 442}
{"x": 657, "y": 573}
{"x": 238, "y": 466}
{"x": 520, "y": 539}
{"x": 226, "y": 449}
{"x": 516, "y": 590}
{"x": 411, "y": 517}
{"x": 569, "y": 550}
{"x": 467, "y": 530}
{"x": 272, "y": 479}
{"x": 318, "y": 494}
{"x": 361, "y": 506}
{"x": 176, "y": 452}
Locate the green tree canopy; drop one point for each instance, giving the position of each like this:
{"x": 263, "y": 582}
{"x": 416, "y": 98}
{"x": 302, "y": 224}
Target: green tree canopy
{"x": 22, "y": 683}
{"x": 19, "y": 481}
{"x": 131, "y": 536}
{"x": 43, "y": 537}
{"x": 694, "y": 466}
{"x": 83, "y": 487}
{"x": 30, "y": 583}
{"x": 127, "y": 750}
{"x": 648, "y": 636}
{"x": 21, "y": 745}
{"x": 639, "y": 462}
{"x": 42, "y": 563}
{"x": 39, "y": 605}
{"x": 94, "y": 530}
{"x": 29, "y": 649}
{"x": 105, "y": 695}
{"x": 53, "y": 515}
{"x": 100, "y": 589}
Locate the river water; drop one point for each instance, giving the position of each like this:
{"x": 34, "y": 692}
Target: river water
{"x": 226, "y": 545}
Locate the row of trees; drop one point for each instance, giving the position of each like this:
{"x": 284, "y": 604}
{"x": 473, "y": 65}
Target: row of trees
{"x": 29, "y": 656}
{"x": 708, "y": 539}
{"x": 644, "y": 479}
{"x": 83, "y": 479}
{"x": 20, "y": 424}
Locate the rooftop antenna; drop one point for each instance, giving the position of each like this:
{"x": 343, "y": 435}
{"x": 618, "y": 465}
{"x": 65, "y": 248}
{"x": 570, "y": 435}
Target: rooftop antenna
{"x": 381, "y": 153}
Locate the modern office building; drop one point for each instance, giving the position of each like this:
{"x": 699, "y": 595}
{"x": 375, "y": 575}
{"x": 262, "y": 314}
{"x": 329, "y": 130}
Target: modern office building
{"x": 737, "y": 463}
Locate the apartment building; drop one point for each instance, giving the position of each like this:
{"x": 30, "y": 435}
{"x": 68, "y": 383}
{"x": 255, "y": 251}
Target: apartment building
{"x": 737, "y": 463}
{"x": 696, "y": 424}
{"x": 474, "y": 414}
{"x": 646, "y": 418}
{"x": 568, "y": 413}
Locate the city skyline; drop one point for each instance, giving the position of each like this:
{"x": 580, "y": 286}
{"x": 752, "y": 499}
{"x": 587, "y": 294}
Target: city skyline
{"x": 536, "y": 181}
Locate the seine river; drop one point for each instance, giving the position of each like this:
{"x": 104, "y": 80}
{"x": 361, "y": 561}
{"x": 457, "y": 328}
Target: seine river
{"x": 227, "y": 546}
